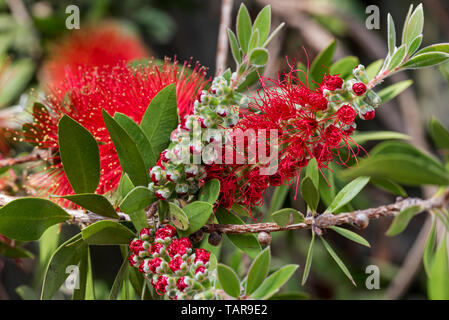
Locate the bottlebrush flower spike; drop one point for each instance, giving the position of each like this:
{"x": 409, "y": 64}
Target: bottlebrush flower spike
{"x": 178, "y": 270}
{"x": 85, "y": 92}
{"x": 98, "y": 45}
{"x": 310, "y": 124}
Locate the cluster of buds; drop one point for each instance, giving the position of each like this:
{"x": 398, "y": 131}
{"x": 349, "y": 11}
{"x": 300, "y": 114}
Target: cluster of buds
{"x": 172, "y": 265}
{"x": 355, "y": 92}
{"x": 180, "y": 170}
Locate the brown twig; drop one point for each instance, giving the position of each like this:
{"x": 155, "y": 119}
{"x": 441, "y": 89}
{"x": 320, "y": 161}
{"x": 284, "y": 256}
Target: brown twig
{"x": 36, "y": 155}
{"x": 222, "y": 45}
{"x": 322, "y": 221}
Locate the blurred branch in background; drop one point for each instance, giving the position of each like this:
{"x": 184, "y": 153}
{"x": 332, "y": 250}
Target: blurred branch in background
{"x": 222, "y": 45}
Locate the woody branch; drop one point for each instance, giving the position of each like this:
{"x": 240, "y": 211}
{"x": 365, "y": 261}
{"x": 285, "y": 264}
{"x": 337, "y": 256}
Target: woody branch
{"x": 359, "y": 218}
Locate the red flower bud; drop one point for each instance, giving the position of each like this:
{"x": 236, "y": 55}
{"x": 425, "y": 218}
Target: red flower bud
{"x": 332, "y": 83}
{"x": 369, "y": 115}
{"x": 359, "y": 88}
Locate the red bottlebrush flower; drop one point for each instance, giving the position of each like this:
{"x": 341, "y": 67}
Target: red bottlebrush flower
{"x": 175, "y": 263}
{"x": 332, "y": 83}
{"x": 154, "y": 263}
{"x": 166, "y": 231}
{"x": 369, "y": 115}
{"x": 98, "y": 45}
{"x": 306, "y": 129}
{"x": 359, "y": 88}
{"x": 181, "y": 284}
{"x": 202, "y": 255}
{"x": 332, "y": 135}
{"x": 85, "y": 94}
{"x": 346, "y": 114}
{"x": 161, "y": 285}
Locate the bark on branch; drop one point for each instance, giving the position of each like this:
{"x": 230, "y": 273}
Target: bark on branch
{"x": 359, "y": 218}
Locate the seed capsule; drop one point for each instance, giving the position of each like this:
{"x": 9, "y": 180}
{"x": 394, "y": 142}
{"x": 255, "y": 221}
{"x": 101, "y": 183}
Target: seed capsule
{"x": 215, "y": 238}
{"x": 361, "y": 220}
{"x": 264, "y": 238}
{"x": 197, "y": 236}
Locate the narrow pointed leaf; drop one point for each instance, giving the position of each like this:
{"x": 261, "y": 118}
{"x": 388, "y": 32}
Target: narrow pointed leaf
{"x": 243, "y": 27}
{"x": 229, "y": 280}
{"x": 349, "y": 192}
{"x": 309, "y": 258}
{"x": 438, "y": 282}
{"x": 402, "y": 219}
{"x": 263, "y": 24}
{"x": 338, "y": 260}
{"x": 429, "y": 249}
{"x": 351, "y": 235}
{"x": 274, "y": 282}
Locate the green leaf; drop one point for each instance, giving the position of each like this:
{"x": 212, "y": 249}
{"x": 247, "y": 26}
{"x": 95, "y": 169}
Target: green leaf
{"x": 160, "y": 119}
{"x": 425, "y": 60}
{"x": 253, "y": 41}
{"x": 429, "y": 249}
{"x": 235, "y": 49}
{"x": 149, "y": 156}
{"x": 258, "y": 57}
{"x": 344, "y": 66}
{"x": 312, "y": 172}
{"x": 440, "y": 47}
{"x": 439, "y": 134}
{"x": 373, "y": 68}
{"x": 345, "y": 195}
{"x": 129, "y": 155}
{"x": 178, "y": 217}
{"x": 243, "y": 27}
{"x": 391, "y": 35}
{"x": 263, "y": 24}
{"x": 389, "y": 186}
{"x": 26, "y": 292}
{"x": 323, "y": 60}
{"x": 392, "y": 91}
{"x": 272, "y": 284}
{"x": 402, "y": 163}
{"x": 310, "y": 193}
{"x": 80, "y": 155}
{"x": 229, "y": 281}
{"x": 69, "y": 253}
{"x": 414, "y": 45}
{"x": 406, "y": 22}
{"x": 240, "y": 210}
{"x": 86, "y": 289}
{"x": 26, "y": 219}
{"x": 14, "y": 80}
{"x": 210, "y": 191}
{"x": 125, "y": 185}
{"x": 327, "y": 187}
{"x": 438, "y": 282}
{"x": 309, "y": 258}
{"x": 351, "y": 235}
{"x": 285, "y": 217}
{"x": 258, "y": 271}
{"x": 278, "y": 199}
{"x": 415, "y": 25}
{"x": 401, "y": 220}
{"x": 14, "y": 252}
{"x": 338, "y": 260}
{"x": 95, "y": 203}
{"x": 198, "y": 213}
{"x": 107, "y": 233}
{"x": 365, "y": 136}
{"x": 245, "y": 242}
{"x": 398, "y": 57}
{"x": 137, "y": 199}
{"x": 118, "y": 281}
